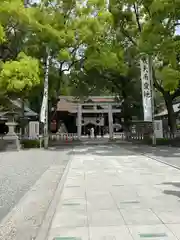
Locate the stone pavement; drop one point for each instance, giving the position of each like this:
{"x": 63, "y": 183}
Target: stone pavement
{"x": 111, "y": 193}
{"x": 169, "y": 155}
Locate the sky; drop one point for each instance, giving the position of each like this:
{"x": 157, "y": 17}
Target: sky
{"x": 178, "y": 30}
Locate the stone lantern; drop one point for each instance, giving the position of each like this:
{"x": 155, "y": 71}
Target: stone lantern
{"x": 11, "y": 138}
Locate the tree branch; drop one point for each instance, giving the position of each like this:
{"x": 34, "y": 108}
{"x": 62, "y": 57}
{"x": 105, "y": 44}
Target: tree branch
{"x": 156, "y": 84}
{"x": 124, "y": 32}
{"x": 137, "y": 17}
{"x": 148, "y": 11}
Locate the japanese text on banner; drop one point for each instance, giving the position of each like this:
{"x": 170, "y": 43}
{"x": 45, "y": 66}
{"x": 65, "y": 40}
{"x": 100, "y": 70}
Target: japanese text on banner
{"x": 146, "y": 89}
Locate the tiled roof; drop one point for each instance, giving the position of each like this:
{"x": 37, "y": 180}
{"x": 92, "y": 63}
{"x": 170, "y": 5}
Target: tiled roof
{"x": 65, "y": 105}
{"x": 176, "y": 108}
{"x": 28, "y": 111}
{"x": 102, "y": 99}
{"x": 17, "y": 104}
{"x": 69, "y": 103}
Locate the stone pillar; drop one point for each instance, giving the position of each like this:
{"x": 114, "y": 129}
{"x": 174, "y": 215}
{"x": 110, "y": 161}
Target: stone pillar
{"x": 79, "y": 120}
{"x": 110, "y": 118}
{"x": 33, "y": 129}
{"x": 11, "y": 137}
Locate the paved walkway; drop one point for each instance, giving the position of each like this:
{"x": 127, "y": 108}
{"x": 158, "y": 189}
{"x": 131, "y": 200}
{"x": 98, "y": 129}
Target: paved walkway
{"x": 112, "y": 194}
{"x": 169, "y": 155}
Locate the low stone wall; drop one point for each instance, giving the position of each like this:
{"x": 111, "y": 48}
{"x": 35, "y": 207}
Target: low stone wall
{"x": 2, "y": 145}
{"x": 7, "y": 144}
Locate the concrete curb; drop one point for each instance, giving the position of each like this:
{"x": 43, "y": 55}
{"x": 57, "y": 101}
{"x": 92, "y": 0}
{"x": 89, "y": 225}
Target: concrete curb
{"x": 45, "y": 227}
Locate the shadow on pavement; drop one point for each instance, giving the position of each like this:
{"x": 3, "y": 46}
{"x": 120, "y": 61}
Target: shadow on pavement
{"x": 101, "y": 150}
{"x": 175, "y": 184}
{"x": 166, "y": 151}
{"x": 168, "y": 155}
{"x": 175, "y": 193}
{"x": 172, "y": 192}
{"x": 120, "y": 149}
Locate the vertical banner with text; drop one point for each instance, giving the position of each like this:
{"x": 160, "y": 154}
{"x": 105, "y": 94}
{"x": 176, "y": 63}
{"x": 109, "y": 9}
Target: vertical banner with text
{"x": 146, "y": 88}
{"x": 44, "y": 106}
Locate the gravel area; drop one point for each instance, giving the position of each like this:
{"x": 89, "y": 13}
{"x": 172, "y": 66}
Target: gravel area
{"x": 19, "y": 171}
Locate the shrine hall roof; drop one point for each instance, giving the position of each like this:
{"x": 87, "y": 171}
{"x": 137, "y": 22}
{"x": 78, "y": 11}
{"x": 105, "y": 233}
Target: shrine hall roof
{"x": 69, "y": 103}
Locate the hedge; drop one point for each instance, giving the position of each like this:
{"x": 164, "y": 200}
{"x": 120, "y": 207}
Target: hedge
{"x": 31, "y": 143}
{"x": 163, "y": 141}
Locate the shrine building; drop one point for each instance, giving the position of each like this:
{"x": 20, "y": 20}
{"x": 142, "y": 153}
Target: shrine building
{"x": 73, "y": 115}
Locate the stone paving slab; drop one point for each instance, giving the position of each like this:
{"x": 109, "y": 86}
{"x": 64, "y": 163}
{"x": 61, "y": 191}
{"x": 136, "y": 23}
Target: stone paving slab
{"x": 167, "y": 154}
{"x": 139, "y": 217}
{"x": 110, "y": 233}
{"x": 175, "y": 228}
{"x": 152, "y": 232}
{"x": 76, "y": 233}
{"x": 105, "y": 218}
{"x": 114, "y": 194}
{"x": 168, "y": 216}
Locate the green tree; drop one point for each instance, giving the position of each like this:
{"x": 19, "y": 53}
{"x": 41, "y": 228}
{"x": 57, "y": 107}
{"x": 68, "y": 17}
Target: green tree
{"x": 108, "y": 69}
{"x": 149, "y": 26}
{"x": 19, "y": 73}
{"x": 69, "y": 27}
{"x": 17, "y": 77}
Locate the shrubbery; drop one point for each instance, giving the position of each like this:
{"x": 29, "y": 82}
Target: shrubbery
{"x": 31, "y": 143}
{"x": 162, "y": 141}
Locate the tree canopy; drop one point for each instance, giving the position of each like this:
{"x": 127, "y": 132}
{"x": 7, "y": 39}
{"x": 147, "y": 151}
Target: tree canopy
{"x": 59, "y": 26}
{"x": 95, "y": 48}
{"x": 150, "y": 28}
{"x": 19, "y": 75}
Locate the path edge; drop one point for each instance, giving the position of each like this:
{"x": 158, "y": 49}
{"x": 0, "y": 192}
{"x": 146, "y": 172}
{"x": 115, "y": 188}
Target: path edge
{"x": 154, "y": 158}
{"x": 46, "y": 224}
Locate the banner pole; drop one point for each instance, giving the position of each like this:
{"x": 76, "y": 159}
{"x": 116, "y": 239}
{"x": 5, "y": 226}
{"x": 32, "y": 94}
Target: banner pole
{"x": 150, "y": 66}
{"x": 44, "y": 107}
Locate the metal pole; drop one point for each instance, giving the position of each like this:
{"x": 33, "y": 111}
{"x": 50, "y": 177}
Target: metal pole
{"x": 26, "y": 2}
{"x": 150, "y": 66}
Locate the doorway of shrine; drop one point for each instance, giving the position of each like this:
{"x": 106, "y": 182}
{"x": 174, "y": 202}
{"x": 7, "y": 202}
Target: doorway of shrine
{"x": 87, "y": 128}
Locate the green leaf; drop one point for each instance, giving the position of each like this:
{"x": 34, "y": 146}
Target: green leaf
{"x": 64, "y": 55}
{"x": 170, "y": 78}
{"x": 20, "y": 76}
{"x": 2, "y": 34}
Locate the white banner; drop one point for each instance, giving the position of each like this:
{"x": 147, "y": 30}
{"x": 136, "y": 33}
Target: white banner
{"x": 146, "y": 89}
{"x": 44, "y": 106}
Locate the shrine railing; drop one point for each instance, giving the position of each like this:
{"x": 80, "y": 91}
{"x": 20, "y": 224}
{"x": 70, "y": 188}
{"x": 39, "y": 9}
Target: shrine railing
{"x": 63, "y": 137}
{"x": 169, "y": 135}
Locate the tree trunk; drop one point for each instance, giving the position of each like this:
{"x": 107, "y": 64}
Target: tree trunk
{"x": 171, "y": 114}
